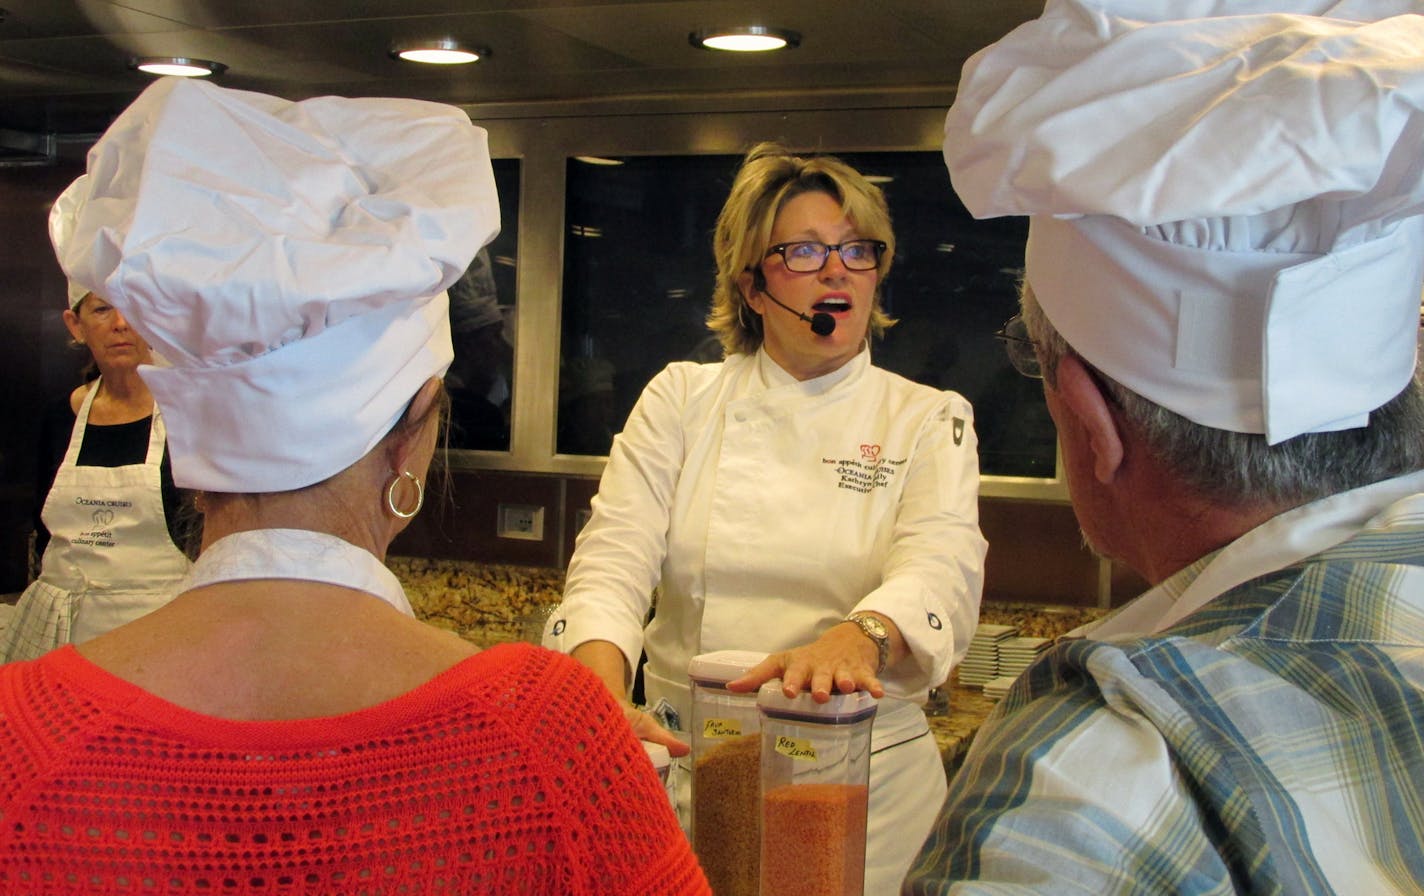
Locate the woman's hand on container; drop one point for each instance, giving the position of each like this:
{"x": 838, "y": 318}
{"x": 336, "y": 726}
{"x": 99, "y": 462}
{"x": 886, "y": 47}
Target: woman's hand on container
{"x": 842, "y": 660}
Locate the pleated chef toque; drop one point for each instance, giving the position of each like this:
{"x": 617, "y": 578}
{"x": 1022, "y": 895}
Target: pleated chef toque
{"x": 1225, "y": 199}
{"x": 289, "y": 260}
{"x": 61, "y": 230}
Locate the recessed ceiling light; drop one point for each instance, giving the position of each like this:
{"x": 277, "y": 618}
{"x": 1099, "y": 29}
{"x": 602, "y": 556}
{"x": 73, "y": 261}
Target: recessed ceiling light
{"x": 744, "y": 38}
{"x": 177, "y": 66}
{"x": 444, "y": 51}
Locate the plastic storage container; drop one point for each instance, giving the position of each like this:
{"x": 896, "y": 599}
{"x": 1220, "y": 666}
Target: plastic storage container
{"x": 815, "y": 792}
{"x": 726, "y": 756}
{"x": 660, "y": 758}
{"x": 662, "y": 764}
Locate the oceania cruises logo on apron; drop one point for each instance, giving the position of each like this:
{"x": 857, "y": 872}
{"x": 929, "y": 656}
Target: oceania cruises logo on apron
{"x": 867, "y": 472}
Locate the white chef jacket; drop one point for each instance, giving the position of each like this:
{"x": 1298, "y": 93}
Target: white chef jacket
{"x": 769, "y": 508}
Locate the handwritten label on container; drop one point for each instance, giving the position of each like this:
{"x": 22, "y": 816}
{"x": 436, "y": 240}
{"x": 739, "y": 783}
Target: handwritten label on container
{"x": 795, "y": 748}
{"x": 719, "y": 728}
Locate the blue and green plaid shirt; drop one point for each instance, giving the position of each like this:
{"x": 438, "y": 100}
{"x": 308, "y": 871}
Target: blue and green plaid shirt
{"x": 1272, "y": 742}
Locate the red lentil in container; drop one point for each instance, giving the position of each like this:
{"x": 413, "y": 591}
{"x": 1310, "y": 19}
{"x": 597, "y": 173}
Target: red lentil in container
{"x": 815, "y": 793}
{"x": 813, "y": 841}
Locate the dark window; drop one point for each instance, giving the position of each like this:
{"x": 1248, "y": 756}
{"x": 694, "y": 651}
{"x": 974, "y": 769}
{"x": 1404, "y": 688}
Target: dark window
{"x": 482, "y": 302}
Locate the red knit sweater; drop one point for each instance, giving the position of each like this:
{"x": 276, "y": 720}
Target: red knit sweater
{"x": 512, "y": 772}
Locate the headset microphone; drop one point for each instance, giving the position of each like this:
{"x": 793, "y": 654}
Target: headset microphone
{"x": 822, "y": 324}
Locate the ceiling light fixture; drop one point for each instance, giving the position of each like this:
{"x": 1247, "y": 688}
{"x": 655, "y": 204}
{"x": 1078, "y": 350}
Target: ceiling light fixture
{"x": 598, "y": 160}
{"x": 744, "y": 38}
{"x": 177, "y": 66}
{"x": 444, "y": 51}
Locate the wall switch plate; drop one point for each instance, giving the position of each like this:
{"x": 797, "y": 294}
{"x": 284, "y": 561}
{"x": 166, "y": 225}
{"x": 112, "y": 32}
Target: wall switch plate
{"x": 524, "y": 521}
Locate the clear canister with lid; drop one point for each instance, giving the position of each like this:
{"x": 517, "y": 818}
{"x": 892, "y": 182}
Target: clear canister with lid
{"x": 815, "y": 792}
{"x": 726, "y": 756}
{"x": 662, "y": 764}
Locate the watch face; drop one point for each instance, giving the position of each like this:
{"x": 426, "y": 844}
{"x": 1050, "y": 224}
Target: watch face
{"x": 873, "y": 626}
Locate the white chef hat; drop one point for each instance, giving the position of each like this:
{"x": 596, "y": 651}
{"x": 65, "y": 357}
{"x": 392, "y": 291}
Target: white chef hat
{"x": 289, "y": 260}
{"x": 61, "y": 230}
{"x": 1225, "y": 200}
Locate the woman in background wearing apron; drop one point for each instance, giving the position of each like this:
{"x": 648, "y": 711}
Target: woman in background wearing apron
{"x": 110, "y": 557}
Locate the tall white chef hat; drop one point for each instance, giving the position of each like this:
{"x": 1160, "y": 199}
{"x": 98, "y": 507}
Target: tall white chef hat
{"x": 61, "y": 230}
{"x": 289, "y": 260}
{"x": 1226, "y": 200}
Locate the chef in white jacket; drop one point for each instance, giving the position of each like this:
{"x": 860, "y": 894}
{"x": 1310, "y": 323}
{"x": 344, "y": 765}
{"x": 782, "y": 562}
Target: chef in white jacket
{"x": 793, "y": 498}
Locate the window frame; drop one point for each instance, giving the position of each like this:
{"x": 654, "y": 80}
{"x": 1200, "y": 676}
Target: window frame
{"x": 543, "y": 137}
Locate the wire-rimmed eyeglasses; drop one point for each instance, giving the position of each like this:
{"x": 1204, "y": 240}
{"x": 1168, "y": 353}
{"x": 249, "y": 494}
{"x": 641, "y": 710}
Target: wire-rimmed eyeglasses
{"x": 809, "y": 256}
{"x": 1020, "y": 348}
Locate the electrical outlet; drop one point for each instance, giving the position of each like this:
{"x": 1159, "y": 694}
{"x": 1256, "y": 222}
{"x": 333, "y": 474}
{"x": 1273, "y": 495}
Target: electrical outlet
{"x": 523, "y": 521}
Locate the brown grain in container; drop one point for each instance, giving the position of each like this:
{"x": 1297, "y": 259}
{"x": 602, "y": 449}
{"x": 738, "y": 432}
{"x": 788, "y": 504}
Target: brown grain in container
{"x": 725, "y": 817}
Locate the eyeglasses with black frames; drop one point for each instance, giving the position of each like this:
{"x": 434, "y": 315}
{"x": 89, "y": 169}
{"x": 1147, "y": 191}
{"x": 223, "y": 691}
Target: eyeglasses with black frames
{"x": 1020, "y": 348}
{"x": 809, "y": 256}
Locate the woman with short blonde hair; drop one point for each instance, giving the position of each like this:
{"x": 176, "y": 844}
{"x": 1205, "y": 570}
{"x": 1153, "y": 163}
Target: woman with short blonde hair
{"x": 769, "y": 178}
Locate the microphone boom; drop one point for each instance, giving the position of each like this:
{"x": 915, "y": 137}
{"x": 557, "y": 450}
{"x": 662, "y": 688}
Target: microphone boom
{"x": 822, "y": 324}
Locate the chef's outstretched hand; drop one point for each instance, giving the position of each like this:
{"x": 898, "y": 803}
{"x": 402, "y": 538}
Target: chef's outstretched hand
{"x": 606, "y": 661}
{"x": 842, "y": 660}
{"x": 646, "y": 727}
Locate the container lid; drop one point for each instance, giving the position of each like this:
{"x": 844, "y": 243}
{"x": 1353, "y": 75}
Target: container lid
{"x": 841, "y": 709}
{"x": 721, "y": 666}
{"x": 657, "y": 754}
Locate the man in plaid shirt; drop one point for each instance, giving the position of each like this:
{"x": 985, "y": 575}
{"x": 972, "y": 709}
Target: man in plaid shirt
{"x": 1222, "y": 287}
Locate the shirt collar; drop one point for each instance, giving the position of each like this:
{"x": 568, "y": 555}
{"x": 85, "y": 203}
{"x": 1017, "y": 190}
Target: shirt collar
{"x": 1279, "y": 542}
{"x": 774, "y": 376}
{"x": 296, "y": 554}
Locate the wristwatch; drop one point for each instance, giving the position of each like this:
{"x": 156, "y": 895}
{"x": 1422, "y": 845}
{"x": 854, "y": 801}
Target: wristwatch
{"x": 874, "y": 630}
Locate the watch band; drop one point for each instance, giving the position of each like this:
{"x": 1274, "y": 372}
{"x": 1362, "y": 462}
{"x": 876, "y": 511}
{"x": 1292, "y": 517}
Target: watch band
{"x": 875, "y": 630}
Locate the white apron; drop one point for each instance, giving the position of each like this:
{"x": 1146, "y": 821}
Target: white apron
{"x": 110, "y": 558}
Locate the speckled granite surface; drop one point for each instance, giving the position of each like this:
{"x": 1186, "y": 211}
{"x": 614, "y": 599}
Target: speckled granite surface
{"x": 484, "y": 603}
{"x": 967, "y": 705}
{"x": 488, "y": 604}
{"x": 1036, "y": 620}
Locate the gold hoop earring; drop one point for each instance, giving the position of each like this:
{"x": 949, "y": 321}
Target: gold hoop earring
{"x": 419, "y": 495}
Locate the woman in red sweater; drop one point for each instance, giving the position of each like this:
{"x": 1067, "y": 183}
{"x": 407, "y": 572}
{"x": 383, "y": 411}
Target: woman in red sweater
{"x": 285, "y": 725}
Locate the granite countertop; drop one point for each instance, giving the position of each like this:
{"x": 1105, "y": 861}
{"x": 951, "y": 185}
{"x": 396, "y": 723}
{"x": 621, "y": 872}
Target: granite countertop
{"x": 968, "y": 707}
{"x": 484, "y": 603}
{"x": 489, "y": 604}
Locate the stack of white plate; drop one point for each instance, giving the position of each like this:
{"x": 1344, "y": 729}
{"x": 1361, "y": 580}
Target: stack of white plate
{"x": 981, "y": 663}
{"x": 1016, "y": 654}
{"x": 996, "y": 688}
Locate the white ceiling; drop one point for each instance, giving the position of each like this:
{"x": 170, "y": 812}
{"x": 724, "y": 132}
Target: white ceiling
{"x": 63, "y": 63}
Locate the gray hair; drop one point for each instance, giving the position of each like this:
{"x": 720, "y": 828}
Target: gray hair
{"x": 1240, "y": 469}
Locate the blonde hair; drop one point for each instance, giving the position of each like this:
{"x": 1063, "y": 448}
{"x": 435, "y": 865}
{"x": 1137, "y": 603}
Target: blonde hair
{"x": 771, "y": 176}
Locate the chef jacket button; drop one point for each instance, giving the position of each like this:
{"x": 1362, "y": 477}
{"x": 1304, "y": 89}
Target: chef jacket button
{"x": 559, "y": 627}
{"x": 741, "y": 416}
{"x": 935, "y": 623}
